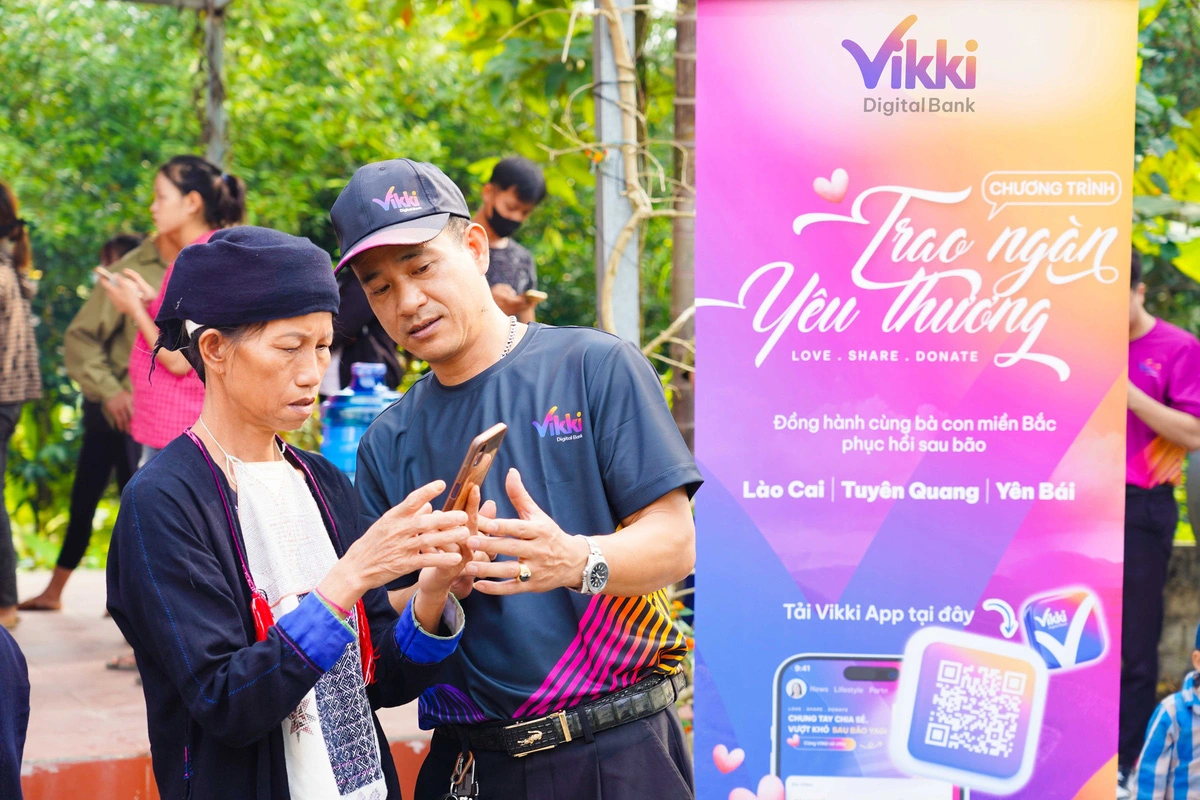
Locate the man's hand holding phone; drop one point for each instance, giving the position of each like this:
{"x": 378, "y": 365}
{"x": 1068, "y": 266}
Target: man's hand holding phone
{"x": 451, "y": 578}
{"x": 552, "y": 557}
{"x": 509, "y": 301}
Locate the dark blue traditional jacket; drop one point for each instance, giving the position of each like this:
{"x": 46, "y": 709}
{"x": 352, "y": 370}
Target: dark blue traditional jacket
{"x": 216, "y": 698}
{"x": 14, "y": 714}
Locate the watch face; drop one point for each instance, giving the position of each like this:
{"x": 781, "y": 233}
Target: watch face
{"x": 598, "y": 578}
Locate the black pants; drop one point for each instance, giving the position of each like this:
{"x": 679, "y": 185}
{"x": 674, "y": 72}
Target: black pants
{"x": 9, "y": 414}
{"x": 104, "y": 450}
{"x": 642, "y": 760}
{"x": 1150, "y": 519}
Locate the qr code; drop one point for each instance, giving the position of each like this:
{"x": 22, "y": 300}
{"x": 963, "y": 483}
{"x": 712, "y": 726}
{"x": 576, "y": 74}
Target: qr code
{"x": 976, "y": 708}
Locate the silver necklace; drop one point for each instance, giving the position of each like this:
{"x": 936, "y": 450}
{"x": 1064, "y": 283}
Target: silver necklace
{"x": 230, "y": 461}
{"x": 512, "y": 335}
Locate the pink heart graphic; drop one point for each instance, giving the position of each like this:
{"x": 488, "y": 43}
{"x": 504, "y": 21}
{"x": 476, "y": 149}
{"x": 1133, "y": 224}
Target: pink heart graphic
{"x": 832, "y": 189}
{"x": 769, "y": 788}
{"x": 794, "y": 740}
{"x": 728, "y": 760}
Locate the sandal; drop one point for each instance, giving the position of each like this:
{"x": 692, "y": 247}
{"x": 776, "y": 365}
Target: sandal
{"x": 38, "y": 604}
{"x": 125, "y": 663}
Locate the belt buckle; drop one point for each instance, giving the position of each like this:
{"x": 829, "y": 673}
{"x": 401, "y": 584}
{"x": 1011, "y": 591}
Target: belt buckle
{"x": 536, "y": 736}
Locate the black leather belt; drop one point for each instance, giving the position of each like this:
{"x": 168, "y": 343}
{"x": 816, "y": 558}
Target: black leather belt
{"x": 1132, "y": 490}
{"x": 644, "y": 699}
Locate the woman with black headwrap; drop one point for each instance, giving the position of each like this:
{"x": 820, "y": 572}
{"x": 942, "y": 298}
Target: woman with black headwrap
{"x": 238, "y": 569}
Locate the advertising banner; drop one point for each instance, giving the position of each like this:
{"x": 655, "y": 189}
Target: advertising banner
{"x": 913, "y": 270}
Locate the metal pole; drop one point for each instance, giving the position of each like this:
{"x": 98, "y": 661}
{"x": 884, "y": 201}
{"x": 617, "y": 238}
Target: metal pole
{"x": 613, "y": 208}
{"x": 214, "y": 56}
{"x": 683, "y": 254}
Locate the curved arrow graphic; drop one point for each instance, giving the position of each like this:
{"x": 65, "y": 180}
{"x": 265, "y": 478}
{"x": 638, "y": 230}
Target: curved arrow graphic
{"x": 1008, "y": 625}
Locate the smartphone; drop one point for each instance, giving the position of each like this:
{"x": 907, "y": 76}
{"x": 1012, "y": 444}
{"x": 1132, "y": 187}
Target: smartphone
{"x": 534, "y": 294}
{"x": 830, "y": 728}
{"x": 105, "y": 274}
{"x": 475, "y": 466}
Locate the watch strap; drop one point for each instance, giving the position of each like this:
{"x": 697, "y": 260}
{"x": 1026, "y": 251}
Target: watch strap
{"x": 595, "y": 556}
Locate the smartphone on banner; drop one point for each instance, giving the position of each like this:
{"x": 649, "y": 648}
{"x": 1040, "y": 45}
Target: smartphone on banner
{"x": 831, "y": 721}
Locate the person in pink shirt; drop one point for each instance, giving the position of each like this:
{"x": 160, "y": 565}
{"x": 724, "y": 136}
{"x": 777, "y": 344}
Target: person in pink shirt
{"x": 1162, "y": 426}
{"x": 193, "y": 198}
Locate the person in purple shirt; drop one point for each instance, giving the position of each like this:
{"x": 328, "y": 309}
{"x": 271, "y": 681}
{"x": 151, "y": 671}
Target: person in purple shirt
{"x": 1163, "y": 425}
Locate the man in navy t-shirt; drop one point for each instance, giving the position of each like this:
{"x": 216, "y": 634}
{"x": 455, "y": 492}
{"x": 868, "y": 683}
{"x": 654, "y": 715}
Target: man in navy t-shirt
{"x": 564, "y": 682}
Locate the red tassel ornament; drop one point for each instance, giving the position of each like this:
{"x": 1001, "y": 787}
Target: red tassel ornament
{"x": 365, "y": 648}
{"x": 260, "y": 609}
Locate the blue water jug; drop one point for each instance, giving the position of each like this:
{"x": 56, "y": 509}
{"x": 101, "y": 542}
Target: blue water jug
{"x": 346, "y": 415}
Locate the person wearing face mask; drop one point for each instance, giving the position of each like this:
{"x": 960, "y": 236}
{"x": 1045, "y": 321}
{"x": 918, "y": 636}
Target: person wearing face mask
{"x": 514, "y": 191}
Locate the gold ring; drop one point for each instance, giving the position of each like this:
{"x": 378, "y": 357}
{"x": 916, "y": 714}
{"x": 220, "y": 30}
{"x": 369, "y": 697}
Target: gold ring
{"x": 524, "y": 573}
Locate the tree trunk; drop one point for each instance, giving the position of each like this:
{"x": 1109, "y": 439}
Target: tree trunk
{"x": 683, "y": 276}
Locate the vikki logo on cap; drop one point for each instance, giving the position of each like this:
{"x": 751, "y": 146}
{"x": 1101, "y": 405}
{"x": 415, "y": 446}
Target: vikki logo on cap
{"x": 404, "y": 202}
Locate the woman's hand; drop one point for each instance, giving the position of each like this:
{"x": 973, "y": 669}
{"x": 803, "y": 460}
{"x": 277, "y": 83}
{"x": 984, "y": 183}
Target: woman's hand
{"x": 144, "y": 289}
{"x": 407, "y": 538}
{"x": 124, "y": 294}
{"x": 465, "y": 584}
{"x": 411, "y": 537}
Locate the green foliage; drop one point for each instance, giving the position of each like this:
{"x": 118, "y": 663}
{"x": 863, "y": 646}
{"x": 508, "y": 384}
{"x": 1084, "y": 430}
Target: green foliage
{"x": 91, "y": 112}
{"x": 1167, "y": 167}
{"x": 98, "y": 94}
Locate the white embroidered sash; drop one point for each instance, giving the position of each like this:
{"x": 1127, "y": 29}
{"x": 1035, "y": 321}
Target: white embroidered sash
{"x": 329, "y": 739}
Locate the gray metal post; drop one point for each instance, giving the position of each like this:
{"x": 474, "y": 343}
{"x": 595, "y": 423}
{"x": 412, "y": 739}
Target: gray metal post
{"x": 613, "y": 209}
{"x": 214, "y": 54}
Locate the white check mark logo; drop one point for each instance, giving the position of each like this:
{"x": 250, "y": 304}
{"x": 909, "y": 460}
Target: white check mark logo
{"x": 1067, "y": 651}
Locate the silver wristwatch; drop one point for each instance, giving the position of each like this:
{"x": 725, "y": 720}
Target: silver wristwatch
{"x": 595, "y": 572}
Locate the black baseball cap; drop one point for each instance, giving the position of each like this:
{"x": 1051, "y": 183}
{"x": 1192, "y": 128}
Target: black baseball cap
{"x": 394, "y": 202}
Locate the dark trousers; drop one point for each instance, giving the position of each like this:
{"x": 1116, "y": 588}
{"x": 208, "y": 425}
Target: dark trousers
{"x": 9, "y": 414}
{"x": 640, "y": 760}
{"x": 103, "y": 451}
{"x": 1150, "y": 519}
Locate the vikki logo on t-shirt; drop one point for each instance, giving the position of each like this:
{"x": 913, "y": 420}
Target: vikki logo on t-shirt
{"x": 564, "y": 429}
{"x": 1150, "y": 367}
